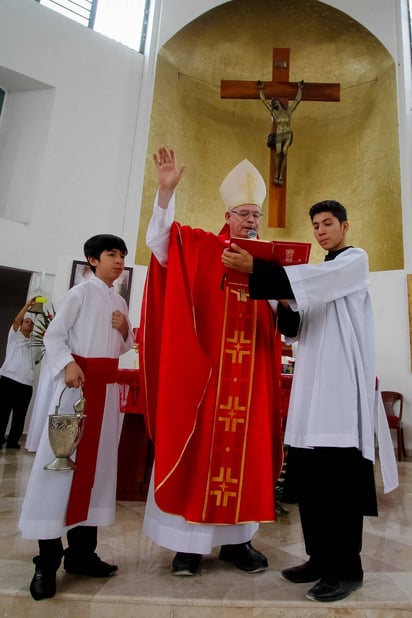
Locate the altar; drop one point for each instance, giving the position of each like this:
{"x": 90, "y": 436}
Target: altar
{"x": 135, "y": 454}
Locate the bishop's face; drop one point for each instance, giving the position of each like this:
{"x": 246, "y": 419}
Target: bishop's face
{"x": 242, "y": 219}
{"x": 329, "y": 231}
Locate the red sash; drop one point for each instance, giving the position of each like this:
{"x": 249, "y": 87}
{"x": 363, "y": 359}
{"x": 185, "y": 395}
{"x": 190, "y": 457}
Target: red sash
{"x": 99, "y": 372}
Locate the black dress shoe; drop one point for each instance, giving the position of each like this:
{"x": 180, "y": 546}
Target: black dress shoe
{"x": 301, "y": 574}
{"x": 327, "y": 590}
{"x": 185, "y": 563}
{"x": 91, "y": 566}
{"x": 244, "y": 556}
{"x": 13, "y": 445}
{"x": 43, "y": 585}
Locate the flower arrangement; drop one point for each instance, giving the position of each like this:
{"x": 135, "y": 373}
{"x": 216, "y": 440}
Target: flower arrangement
{"x": 41, "y": 325}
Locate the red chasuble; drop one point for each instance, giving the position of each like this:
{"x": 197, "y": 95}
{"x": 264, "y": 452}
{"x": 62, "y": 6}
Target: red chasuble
{"x": 210, "y": 361}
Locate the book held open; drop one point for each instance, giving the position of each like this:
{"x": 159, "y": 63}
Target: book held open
{"x": 283, "y": 252}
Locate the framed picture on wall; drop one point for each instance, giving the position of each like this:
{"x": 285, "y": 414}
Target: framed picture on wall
{"x": 81, "y": 271}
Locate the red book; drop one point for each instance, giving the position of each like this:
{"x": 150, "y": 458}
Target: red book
{"x": 283, "y": 252}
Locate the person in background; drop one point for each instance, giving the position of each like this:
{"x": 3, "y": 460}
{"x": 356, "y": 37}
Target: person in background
{"x": 210, "y": 359}
{"x": 83, "y": 343}
{"x": 331, "y": 421}
{"x": 16, "y": 377}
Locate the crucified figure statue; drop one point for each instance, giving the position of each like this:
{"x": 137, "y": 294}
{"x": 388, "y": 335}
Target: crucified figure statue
{"x": 281, "y": 136}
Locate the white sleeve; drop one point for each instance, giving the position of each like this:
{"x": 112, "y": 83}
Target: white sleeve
{"x": 389, "y": 467}
{"x": 328, "y": 281}
{"x": 56, "y": 339}
{"x": 158, "y": 231}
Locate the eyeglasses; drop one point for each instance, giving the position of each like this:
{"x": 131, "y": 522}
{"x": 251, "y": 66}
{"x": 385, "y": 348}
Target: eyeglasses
{"x": 245, "y": 214}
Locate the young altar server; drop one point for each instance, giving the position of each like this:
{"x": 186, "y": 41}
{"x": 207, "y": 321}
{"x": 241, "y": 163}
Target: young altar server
{"x": 83, "y": 343}
{"x": 333, "y": 412}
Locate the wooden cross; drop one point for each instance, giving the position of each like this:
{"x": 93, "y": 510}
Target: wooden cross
{"x": 280, "y": 88}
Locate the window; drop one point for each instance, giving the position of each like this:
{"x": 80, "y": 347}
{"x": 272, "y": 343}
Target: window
{"x": 82, "y": 11}
{"x": 124, "y": 21}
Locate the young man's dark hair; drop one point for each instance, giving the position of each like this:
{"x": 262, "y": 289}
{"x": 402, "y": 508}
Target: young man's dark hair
{"x": 332, "y": 206}
{"x": 102, "y": 242}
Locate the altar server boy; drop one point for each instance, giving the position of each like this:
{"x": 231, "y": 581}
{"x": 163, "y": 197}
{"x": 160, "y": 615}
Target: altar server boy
{"x": 83, "y": 343}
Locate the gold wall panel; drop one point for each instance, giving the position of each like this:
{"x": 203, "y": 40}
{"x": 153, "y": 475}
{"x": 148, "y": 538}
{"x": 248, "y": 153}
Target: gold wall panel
{"x": 347, "y": 151}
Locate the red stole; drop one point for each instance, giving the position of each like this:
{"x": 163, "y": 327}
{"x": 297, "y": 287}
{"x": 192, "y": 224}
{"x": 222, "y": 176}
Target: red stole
{"x": 99, "y": 372}
{"x": 233, "y": 409}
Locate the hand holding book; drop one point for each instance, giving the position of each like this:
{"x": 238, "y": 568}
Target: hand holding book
{"x": 238, "y": 258}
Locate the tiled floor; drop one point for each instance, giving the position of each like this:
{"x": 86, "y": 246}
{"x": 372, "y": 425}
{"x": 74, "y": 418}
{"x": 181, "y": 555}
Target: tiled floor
{"x": 145, "y": 588}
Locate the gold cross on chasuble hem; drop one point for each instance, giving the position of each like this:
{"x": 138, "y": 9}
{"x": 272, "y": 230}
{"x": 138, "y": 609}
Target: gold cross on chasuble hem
{"x": 232, "y": 410}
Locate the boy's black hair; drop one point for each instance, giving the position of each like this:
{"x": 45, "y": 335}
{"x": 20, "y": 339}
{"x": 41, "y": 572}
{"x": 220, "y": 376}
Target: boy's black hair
{"x": 102, "y": 242}
{"x": 332, "y": 206}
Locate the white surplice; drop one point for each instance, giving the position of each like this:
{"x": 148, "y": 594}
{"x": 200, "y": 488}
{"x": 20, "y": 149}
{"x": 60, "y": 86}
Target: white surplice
{"x": 335, "y": 307}
{"x": 82, "y": 325}
{"x": 172, "y": 531}
{"x": 43, "y": 394}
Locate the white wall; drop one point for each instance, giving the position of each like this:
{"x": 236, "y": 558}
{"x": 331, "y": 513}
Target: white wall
{"x": 84, "y": 167}
{"x": 390, "y": 304}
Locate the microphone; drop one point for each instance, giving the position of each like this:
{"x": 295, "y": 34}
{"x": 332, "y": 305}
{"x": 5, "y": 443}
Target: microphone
{"x": 252, "y": 234}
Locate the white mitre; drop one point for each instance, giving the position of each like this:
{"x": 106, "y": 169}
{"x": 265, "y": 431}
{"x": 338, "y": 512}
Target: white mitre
{"x": 243, "y": 185}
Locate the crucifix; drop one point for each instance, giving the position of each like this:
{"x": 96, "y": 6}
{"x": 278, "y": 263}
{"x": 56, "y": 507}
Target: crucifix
{"x": 281, "y": 89}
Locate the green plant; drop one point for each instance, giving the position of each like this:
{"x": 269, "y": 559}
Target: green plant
{"x": 41, "y": 325}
